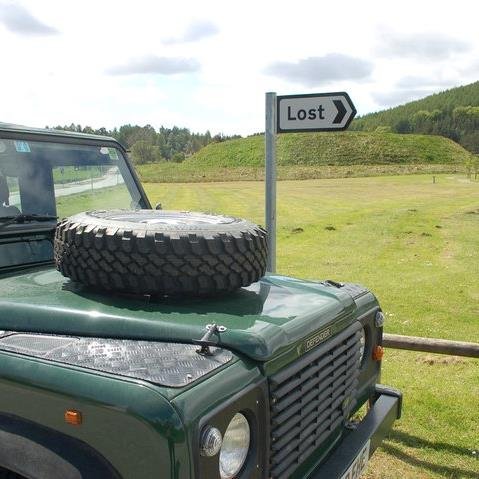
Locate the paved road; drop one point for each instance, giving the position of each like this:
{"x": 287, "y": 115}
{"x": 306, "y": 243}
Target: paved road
{"x": 110, "y": 179}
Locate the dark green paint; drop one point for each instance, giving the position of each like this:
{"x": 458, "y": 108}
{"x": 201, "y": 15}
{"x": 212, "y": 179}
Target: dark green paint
{"x": 129, "y": 422}
{"x": 41, "y": 134}
{"x": 147, "y": 431}
{"x": 262, "y": 321}
{"x": 212, "y": 395}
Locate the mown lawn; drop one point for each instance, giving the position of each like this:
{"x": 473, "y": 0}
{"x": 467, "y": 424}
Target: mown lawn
{"x": 415, "y": 243}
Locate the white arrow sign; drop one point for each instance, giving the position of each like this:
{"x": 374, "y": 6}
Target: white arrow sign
{"x": 314, "y": 112}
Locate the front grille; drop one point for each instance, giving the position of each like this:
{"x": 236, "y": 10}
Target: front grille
{"x": 310, "y": 398}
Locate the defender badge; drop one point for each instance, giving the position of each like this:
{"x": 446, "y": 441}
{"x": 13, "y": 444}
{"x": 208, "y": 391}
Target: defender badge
{"x": 313, "y": 341}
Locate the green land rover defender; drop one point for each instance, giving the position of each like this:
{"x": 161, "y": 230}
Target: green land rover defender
{"x": 146, "y": 344}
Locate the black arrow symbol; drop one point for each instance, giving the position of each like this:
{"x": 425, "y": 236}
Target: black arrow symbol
{"x": 341, "y": 111}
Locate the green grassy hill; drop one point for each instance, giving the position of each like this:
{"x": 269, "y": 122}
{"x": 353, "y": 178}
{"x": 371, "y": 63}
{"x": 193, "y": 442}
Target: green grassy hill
{"x": 315, "y": 155}
{"x": 452, "y": 113}
{"x": 444, "y": 101}
{"x": 347, "y": 148}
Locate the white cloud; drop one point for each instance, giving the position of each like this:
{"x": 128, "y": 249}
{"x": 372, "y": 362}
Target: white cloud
{"x": 197, "y": 30}
{"x": 64, "y": 78}
{"x": 314, "y": 71}
{"x": 152, "y": 64}
{"x": 471, "y": 69}
{"x": 417, "y": 81}
{"x": 19, "y": 20}
{"x": 422, "y": 45}
{"x": 398, "y": 97}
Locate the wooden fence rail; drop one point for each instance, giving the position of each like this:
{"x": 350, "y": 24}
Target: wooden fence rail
{"x": 430, "y": 345}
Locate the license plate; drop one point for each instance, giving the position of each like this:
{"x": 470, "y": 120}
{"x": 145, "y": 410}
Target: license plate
{"x": 359, "y": 464}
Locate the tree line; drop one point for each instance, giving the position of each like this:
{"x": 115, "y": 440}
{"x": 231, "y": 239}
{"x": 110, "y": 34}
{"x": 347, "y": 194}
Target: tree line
{"x": 148, "y": 145}
{"x": 453, "y": 113}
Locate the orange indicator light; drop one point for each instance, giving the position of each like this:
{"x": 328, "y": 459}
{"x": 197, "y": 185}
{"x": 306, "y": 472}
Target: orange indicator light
{"x": 378, "y": 353}
{"x": 73, "y": 417}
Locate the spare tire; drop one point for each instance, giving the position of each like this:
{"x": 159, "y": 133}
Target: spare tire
{"x": 160, "y": 252}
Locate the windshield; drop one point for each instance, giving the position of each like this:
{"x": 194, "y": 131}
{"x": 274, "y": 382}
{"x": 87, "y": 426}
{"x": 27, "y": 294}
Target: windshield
{"x": 42, "y": 181}
{"x": 42, "y": 178}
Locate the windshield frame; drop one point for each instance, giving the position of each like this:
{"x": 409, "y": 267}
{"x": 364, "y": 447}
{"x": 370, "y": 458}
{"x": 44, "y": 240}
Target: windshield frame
{"x": 69, "y": 138}
{"x": 36, "y": 233}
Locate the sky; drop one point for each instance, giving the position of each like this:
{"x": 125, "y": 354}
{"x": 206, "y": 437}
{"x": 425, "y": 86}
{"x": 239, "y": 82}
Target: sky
{"x": 207, "y": 65}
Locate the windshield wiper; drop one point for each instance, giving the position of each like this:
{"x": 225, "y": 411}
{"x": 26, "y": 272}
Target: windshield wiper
{"x": 24, "y": 218}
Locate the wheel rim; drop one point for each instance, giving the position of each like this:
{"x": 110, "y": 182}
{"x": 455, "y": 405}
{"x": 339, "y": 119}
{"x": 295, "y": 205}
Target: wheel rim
{"x": 172, "y": 218}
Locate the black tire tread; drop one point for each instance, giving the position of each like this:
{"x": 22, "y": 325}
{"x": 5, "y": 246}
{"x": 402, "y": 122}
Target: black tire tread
{"x": 159, "y": 263}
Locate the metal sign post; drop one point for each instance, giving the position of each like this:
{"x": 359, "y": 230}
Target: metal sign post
{"x": 297, "y": 113}
{"x": 270, "y": 190}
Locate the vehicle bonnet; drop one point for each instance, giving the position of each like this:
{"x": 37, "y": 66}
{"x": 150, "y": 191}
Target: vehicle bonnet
{"x": 260, "y": 321}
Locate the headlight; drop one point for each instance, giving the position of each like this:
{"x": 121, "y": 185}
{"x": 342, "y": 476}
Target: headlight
{"x": 362, "y": 345}
{"x": 235, "y": 446}
{"x": 379, "y": 319}
{"x": 210, "y": 441}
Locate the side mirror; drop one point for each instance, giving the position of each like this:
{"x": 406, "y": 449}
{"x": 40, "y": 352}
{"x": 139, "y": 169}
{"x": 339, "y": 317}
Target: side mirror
{"x": 158, "y": 206}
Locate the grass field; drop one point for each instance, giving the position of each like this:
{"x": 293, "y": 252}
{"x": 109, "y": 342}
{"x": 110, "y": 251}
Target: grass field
{"x": 416, "y": 245}
{"x": 106, "y": 198}
{"x": 315, "y": 155}
{"x": 189, "y": 173}
{"x": 68, "y": 174}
